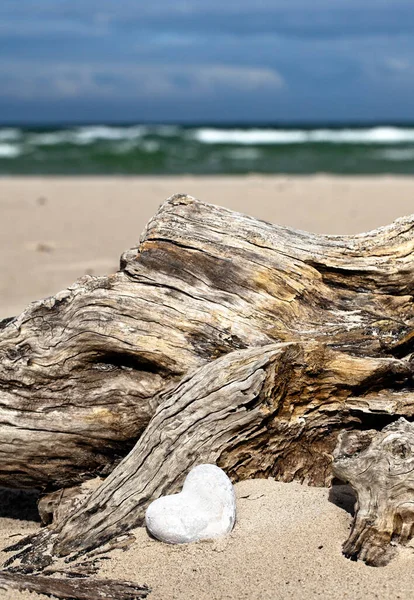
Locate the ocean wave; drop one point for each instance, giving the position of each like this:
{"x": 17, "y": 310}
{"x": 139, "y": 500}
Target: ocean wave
{"x": 200, "y": 149}
{"x": 49, "y": 139}
{"x": 165, "y": 130}
{"x": 373, "y": 135}
{"x": 87, "y": 135}
{"x": 150, "y": 146}
{"x": 9, "y": 134}
{"x": 138, "y": 134}
{"x": 9, "y": 151}
{"x": 397, "y": 154}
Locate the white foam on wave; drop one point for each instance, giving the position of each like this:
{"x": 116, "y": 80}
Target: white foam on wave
{"x": 248, "y": 136}
{"x": 9, "y": 134}
{"x": 49, "y": 139}
{"x": 9, "y": 151}
{"x": 87, "y": 135}
{"x": 373, "y": 135}
{"x": 150, "y": 146}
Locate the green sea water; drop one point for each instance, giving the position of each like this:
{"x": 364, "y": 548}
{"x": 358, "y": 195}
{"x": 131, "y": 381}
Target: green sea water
{"x": 206, "y": 149}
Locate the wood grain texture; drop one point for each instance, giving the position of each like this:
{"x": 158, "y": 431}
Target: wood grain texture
{"x": 380, "y": 468}
{"x": 266, "y": 411}
{"x": 81, "y": 372}
{"x": 74, "y": 589}
{"x": 222, "y": 339}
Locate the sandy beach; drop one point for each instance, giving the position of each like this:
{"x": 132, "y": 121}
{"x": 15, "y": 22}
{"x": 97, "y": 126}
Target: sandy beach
{"x": 286, "y": 544}
{"x": 287, "y": 540}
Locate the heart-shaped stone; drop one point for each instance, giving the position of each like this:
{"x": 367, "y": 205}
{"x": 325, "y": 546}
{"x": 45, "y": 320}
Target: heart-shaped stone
{"x": 204, "y": 509}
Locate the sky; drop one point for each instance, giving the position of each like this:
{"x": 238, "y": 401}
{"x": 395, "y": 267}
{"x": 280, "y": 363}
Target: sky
{"x": 206, "y": 61}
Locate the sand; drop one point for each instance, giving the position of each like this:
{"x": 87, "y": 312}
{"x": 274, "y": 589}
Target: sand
{"x": 287, "y": 540}
{"x": 286, "y": 544}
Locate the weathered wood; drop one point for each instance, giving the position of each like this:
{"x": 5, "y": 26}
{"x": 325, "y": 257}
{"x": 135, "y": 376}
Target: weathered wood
{"x": 268, "y": 411}
{"x": 222, "y": 339}
{"x": 81, "y": 373}
{"x": 380, "y": 468}
{"x": 74, "y": 589}
{"x": 60, "y": 503}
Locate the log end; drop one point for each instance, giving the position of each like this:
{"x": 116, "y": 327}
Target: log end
{"x": 380, "y": 468}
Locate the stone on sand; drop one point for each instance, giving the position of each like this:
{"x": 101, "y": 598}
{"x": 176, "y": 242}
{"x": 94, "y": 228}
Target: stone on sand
{"x": 204, "y": 509}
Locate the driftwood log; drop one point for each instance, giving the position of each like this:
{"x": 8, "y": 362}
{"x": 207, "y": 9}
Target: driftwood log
{"x": 221, "y": 339}
{"x": 69, "y": 589}
{"x": 80, "y": 372}
{"x": 380, "y": 468}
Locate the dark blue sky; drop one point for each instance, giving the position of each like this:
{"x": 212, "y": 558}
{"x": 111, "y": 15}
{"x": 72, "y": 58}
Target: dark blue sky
{"x": 206, "y": 60}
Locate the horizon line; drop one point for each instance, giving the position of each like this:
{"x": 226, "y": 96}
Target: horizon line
{"x": 282, "y": 124}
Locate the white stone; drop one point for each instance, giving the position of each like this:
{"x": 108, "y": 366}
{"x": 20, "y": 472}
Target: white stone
{"x": 204, "y": 509}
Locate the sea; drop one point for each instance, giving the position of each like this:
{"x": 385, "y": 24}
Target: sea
{"x": 143, "y": 149}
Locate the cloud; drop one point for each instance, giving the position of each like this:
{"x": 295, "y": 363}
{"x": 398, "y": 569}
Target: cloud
{"x": 297, "y": 18}
{"x": 25, "y": 80}
{"x": 398, "y": 64}
{"x": 327, "y": 58}
{"x": 243, "y": 79}
{"x": 32, "y": 28}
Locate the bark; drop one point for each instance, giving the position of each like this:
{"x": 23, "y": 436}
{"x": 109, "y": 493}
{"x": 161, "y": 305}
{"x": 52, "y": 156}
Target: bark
{"x": 81, "y": 372}
{"x": 380, "y": 468}
{"x": 70, "y": 589}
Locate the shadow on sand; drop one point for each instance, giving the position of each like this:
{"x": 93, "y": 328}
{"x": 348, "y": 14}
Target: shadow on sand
{"x": 342, "y": 495}
{"x": 19, "y": 504}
